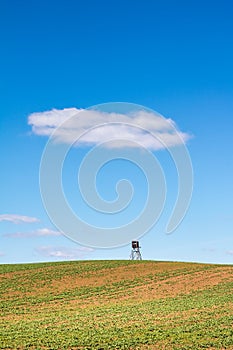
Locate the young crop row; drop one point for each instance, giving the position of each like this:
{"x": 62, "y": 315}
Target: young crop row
{"x": 110, "y": 315}
{"x": 179, "y": 323}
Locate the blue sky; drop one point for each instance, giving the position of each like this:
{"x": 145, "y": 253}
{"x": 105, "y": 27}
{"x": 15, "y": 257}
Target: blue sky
{"x": 174, "y": 57}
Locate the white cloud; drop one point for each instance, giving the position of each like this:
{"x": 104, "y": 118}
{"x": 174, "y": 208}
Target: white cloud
{"x": 64, "y": 252}
{"x": 1, "y": 254}
{"x": 209, "y": 249}
{"x": 18, "y": 219}
{"x": 96, "y": 127}
{"x": 230, "y": 252}
{"x": 41, "y": 232}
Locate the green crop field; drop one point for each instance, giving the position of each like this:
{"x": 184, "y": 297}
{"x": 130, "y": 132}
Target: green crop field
{"x": 116, "y": 305}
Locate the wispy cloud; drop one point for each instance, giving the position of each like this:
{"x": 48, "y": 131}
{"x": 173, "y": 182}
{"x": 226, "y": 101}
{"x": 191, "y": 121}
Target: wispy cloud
{"x": 229, "y": 252}
{"x": 18, "y": 219}
{"x": 64, "y": 252}
{"x": 209, "y": 249}
{"x": 96, "y": 127}
{"x": 1, "y": 254}
{"x": 41, "y": 232}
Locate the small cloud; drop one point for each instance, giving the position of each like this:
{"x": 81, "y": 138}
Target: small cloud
{"x": 229, "y": 252}
{"x": 1, "y": 254}
{"x": 209, "y": 249}
{"x": 94, "y": 127}
{"x": 41, "y": 232}
{"x": 18, "y": 219}
{"x": 64, "y": 252}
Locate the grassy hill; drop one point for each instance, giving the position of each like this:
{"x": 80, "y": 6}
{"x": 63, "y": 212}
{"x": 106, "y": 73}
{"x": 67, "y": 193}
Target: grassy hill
{"x": 116, "y": 305}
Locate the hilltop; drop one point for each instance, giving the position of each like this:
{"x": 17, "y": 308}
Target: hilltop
{"x": 116, "y": 305}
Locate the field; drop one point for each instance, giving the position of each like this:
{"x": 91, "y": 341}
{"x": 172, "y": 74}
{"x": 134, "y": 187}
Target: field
{"x": 116, "y": 305}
